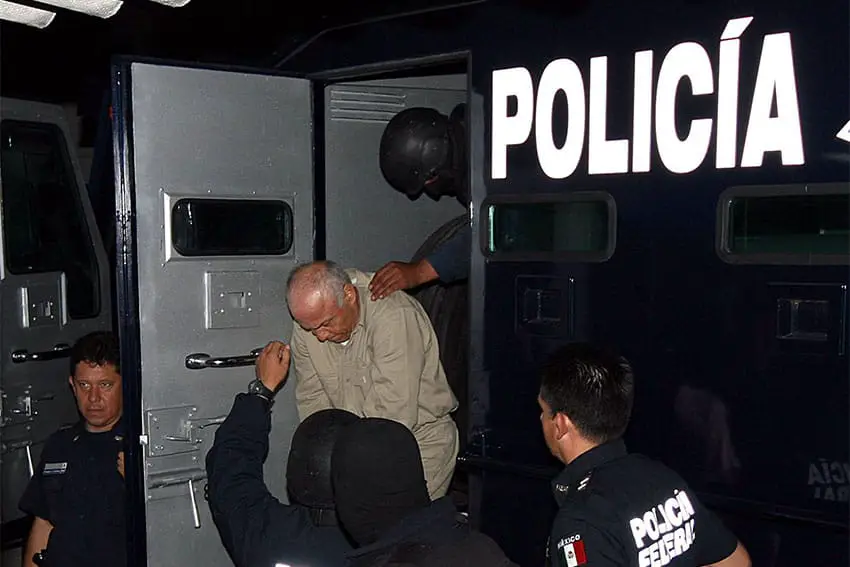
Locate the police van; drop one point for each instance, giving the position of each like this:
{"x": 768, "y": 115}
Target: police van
{"x": 672, "y": 181}
{"x": 55, "y": 288}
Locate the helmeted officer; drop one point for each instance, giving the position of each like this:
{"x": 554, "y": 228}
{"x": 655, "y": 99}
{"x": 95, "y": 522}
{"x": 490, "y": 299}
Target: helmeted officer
{"x": 76, "y": 494}
{"x": 382, "y": 500}
{"x": 617, "y": 508}
{"x": 424, "y": 151}
{"x": 256, "y": 528}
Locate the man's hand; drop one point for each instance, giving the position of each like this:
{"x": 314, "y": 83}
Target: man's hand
{"x": 401, "y": 275}
{"x": 121, "y": 462}
{"x": 273, "y": 365}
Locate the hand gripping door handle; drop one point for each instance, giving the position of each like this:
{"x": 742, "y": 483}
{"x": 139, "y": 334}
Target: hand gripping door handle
{"x": 201, "y": 360}
{"x": 58, "y": 351}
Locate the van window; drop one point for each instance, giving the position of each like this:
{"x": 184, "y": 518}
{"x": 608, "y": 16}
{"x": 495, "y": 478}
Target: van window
{"x": 577, "y": 226}
{"x": 44, "y": 224}
{"x": 787, "y": 227}
{"x": 231, "y": 227}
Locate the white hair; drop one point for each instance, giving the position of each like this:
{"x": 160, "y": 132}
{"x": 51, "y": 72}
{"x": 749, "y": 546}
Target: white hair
{"x": 325, "y": 276}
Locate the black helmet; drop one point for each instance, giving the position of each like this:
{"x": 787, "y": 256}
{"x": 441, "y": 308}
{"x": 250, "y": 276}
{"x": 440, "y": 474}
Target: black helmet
{"x": 308, "y": 470}
{"x": 416, "y": 147}
{"x": 378, "y": 477}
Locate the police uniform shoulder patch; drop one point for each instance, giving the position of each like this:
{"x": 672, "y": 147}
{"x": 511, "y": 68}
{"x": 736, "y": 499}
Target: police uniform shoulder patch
{"x": 51, "y": 469}
{"x": 571, "y": 552}
{"x": 583, "y": 482}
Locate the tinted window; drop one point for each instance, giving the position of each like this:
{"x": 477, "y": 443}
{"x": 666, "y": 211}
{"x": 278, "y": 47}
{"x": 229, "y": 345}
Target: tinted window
{"x": 789, "y": 224}
{"x": 43, "y": 220}
{"x": 229, "y": 227}
{"x": 553, "y": 228}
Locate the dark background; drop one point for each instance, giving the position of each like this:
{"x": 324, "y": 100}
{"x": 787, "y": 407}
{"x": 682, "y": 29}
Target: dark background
{"x": 68, "y": 61}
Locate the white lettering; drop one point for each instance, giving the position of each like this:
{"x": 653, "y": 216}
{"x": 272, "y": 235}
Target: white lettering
{"x": 604, "y": 156}
{"x": 837, "y": 473}
{"x": 642, "y": 117}
{"x": 670, "y": 539}
{"x": 727, "y": 92}
{"x": 782, "y": 132}
{"x": 655, "y": 555}
{"x": 684, "y": 60}
{"x": 510, "y": 130}
{"x": 650, "y": 522}
{"x": 587, "y": 114}
{"x": 685, "y": 503}
{"x": 560, "y": 75}
{"x": 681, "y": 542}
{"x": 667, "y": 551}
{"x": 665, "y": 526}
{"x": 672, "y": 513}
{"x": 638, "y": 531}
{"x": 814, "y": 475}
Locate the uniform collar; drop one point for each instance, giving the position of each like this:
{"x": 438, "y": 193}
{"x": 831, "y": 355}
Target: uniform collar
{"x": 360, "y": 281}
{"x": 579, "y": 470}
{"x": 117, "y": 429}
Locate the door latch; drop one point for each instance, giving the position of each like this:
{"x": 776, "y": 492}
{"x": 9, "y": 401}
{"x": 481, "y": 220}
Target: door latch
{"x": 176, "y": 430}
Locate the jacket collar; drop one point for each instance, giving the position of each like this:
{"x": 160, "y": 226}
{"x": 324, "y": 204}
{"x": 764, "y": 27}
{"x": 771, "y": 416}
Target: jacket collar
{"x": 582, "y": 466}
{"x": 117, "y": 429}
{"x": 360, "y": 281}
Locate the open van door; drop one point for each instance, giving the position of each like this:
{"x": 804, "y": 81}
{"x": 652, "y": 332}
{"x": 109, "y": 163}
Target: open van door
{"x": 54, "y": 288}
{"x": 214, "y": 182}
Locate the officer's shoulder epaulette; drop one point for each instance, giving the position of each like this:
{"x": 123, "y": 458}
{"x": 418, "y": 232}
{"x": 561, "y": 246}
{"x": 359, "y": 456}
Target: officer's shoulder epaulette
{"x": 66, "y": 432}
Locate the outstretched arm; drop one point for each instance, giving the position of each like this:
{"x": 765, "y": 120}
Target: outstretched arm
{"x": 255, "y": 527}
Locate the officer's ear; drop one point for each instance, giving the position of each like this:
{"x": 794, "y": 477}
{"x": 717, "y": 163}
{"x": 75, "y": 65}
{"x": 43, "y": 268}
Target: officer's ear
{"x": 563, "y": 425}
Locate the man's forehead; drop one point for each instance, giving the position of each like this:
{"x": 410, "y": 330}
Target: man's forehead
{"x": 86, "y": 369}
{"x": 316, "y": 315}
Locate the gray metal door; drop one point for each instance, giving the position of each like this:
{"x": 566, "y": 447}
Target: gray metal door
{"x": 220, "y": 167}
{"x": 54, "y": 285}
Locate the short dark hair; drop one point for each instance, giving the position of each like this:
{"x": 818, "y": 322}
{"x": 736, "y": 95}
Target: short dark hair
{"x": 592, "y": 386}
{"x": 97, "y": 348}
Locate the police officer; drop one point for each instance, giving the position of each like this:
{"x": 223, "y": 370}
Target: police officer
{"x": 382, "y": 500}
{"x": 423, "y": 150}
{"x": 258, "y": 530}
{"x": 77, "y": 492}
{"x": 617, "y": 508}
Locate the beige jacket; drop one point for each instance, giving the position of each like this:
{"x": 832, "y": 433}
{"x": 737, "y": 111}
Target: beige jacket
{"x": 390, "y": 367}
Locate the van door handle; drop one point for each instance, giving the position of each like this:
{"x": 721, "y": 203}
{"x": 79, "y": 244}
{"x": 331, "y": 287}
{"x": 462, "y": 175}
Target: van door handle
{"x": 201, "y": 360}
{"x": 59, "y": 351}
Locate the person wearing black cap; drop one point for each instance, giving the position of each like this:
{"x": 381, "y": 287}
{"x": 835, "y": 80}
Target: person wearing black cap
{"x": 424, "y": 151}
{"x": 255, "y": 527}
{"x": 382, "y": 502}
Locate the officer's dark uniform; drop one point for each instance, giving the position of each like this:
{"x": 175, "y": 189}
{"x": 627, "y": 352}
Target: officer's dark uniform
{"x": 624, "y": 509}
{"x": 256, "y": 528}
{"x": 78, "y": 489}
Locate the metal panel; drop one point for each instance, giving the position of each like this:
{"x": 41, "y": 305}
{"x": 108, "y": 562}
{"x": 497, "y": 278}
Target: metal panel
{"x": 358, "y": 200}
{"x": 196, "y": 133}
{"x": 35, "y": 329}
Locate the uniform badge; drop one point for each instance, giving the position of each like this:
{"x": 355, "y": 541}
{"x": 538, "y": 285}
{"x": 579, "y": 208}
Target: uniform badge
{"x": 51, "y": 469}
{"x": 572, "y": 552}
{"x": 584, "y": 481}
